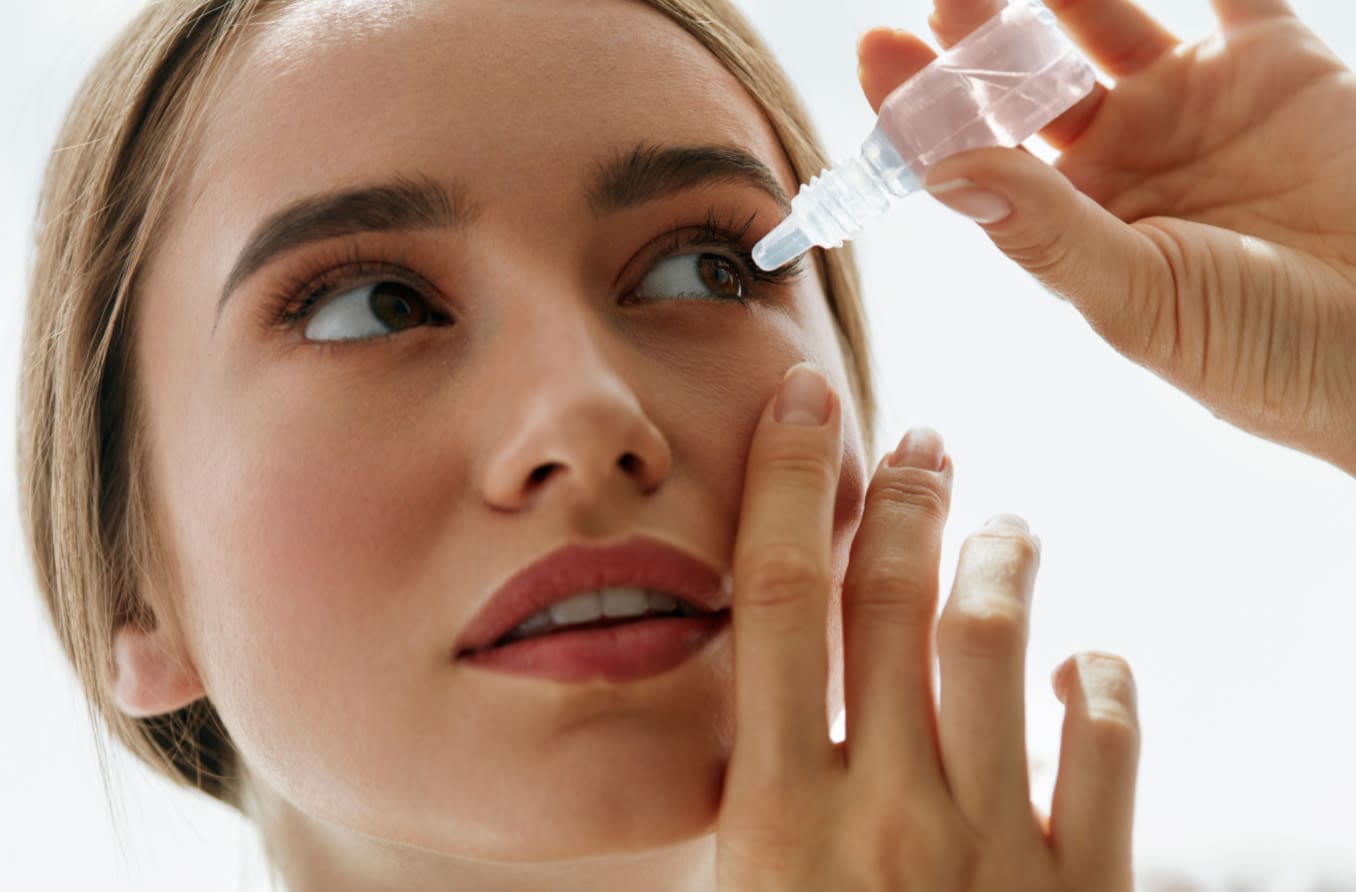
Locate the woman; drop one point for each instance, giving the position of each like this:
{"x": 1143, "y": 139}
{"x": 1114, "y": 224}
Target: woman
{"x": 362, "y": 354}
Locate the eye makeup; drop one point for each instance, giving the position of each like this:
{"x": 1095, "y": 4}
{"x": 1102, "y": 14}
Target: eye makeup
{"x": 731, "y": 235}
{"x": 336, "y": 270}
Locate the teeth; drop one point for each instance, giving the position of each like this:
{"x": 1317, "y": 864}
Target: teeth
{"x": 591, "y": 606}
{"x": 624, "y": 601}
{"x": 583, "y": 608}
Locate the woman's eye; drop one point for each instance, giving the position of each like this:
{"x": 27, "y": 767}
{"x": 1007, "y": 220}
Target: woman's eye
{"x": 703, "y": 276}
{"x": 375, "y": 309}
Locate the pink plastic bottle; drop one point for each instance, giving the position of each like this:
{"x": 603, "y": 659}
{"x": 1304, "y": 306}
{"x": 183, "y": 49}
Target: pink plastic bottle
{"x": 1006, "y": 80}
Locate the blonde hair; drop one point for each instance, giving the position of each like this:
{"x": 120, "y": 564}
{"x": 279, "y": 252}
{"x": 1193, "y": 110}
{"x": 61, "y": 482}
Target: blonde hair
{"x": 83, "y": 468}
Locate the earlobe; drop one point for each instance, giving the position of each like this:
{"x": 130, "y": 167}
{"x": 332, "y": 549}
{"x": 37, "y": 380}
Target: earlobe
{"x": 151, "y": 677}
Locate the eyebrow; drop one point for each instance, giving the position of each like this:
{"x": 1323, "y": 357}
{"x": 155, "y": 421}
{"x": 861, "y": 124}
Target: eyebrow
{"x": 628, "y": 180}
{"x": 649, "y": 172}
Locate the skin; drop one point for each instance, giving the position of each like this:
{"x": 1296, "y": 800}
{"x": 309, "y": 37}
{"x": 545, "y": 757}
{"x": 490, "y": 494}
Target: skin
{"x": 309, "y": 538}
{"x": 337, "y": 516}
{"x": 1199, "y": 212}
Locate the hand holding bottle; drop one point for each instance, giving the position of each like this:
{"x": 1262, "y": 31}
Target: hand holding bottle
{"x": 1202, "y": 214}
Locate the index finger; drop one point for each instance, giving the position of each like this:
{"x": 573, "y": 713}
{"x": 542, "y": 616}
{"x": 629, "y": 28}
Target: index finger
{"x": 782, "y": 579}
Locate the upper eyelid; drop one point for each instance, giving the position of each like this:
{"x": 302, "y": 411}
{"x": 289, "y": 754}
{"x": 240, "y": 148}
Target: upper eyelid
{"x": 346, "y": 277}
{"x": 358, "y": 271}
{"x": 691, "y": 235}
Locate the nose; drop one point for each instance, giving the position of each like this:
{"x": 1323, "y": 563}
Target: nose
{"x": 576, "y": 429}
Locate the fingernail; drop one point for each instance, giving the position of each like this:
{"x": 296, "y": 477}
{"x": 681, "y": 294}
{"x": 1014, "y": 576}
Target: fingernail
{"x": 804, "y": 397}
{"x": 921, "y": 447}
{"x": 1007, "y": 520}
{"x": 965, "y": 197}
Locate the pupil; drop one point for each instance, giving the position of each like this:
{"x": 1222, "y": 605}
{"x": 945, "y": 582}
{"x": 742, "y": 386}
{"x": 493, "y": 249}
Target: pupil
{"x": 397, "y": 305}
{"x": 718, "y": 276}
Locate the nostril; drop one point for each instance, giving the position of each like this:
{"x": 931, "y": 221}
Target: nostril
{"x": 541, "y": 473}
{"x": 629, "y": 462}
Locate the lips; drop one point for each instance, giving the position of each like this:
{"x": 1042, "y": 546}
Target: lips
{"x": 640, "y": 562}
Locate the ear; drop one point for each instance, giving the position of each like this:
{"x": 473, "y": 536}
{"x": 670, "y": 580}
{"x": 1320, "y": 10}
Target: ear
{"x": 152, "y": 675}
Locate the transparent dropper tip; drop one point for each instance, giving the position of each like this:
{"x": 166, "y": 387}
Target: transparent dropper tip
{"x": 832, "y": 207}
{"x": 782, "y": 245}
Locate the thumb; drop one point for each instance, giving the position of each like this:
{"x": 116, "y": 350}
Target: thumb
{"x": 1112, "y": 272}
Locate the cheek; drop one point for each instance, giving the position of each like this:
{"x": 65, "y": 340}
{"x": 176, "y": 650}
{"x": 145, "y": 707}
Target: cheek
{"x": 302, "y": 539}
{"x": 723, "y": 409}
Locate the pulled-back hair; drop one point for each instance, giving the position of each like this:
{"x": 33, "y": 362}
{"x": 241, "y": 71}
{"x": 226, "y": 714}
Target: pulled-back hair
{"x": 83, "y": 452}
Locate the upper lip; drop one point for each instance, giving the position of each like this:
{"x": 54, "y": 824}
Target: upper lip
{"x": 574, "y": 568}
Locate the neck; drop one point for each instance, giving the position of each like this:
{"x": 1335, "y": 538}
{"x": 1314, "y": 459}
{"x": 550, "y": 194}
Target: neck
{"x": 312, "y": 856}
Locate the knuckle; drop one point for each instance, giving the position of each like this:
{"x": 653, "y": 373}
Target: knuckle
{"x": 893, "y": 843}
{"x": 914, "y": 493}
{"x": 1045, "y": 251}
{"x": 893, "y": 593}
{"x": 800, "y": 467}
{"x": 1112, "y": 703}
{"x": 990, "y": 629}
{"x": 1004, "y": 552}
{"x": 1000, "y": 559}
{"x": 877, "y": 842}
{"x": 1114, "y": 733}
{"x": 1152, "y": 294}
{"x": 1111, "y": 682}
{"x": 987, "y": 614}
{"x": 776, "y": 574}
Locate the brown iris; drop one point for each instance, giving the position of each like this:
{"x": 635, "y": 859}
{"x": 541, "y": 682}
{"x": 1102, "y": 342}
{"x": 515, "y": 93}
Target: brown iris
{"x": 719, "y": 274}
{"x": 398, "y": 306}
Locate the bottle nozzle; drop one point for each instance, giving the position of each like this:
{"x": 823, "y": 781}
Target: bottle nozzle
{"x": 833, "y": 206}
{"x": 1006, "y": 80}
{"x": 782, "y": 245}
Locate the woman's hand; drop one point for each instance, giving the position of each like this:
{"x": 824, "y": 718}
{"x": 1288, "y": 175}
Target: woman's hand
{"x": 1202, "y": 214}
{"x": 914, "y": 798}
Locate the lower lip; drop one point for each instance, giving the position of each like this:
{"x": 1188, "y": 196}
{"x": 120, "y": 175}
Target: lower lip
{"x": 616, "y": 653}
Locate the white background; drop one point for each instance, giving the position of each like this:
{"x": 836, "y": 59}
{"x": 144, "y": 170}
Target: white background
{"x": 1221, "y": 565}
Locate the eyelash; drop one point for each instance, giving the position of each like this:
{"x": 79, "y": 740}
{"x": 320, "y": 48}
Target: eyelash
{"x": 296, "y": 297}
{"x": 730, "y": 235}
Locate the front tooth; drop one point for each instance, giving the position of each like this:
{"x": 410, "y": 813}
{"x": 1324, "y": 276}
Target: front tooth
{"x": 583, "y": 608}
{"x": 624, "y": 601}
{"x": 536, "y": 623}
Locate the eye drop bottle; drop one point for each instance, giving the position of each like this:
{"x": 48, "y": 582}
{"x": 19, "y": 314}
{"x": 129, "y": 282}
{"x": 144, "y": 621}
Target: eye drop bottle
{"x": 1005, "y": 81}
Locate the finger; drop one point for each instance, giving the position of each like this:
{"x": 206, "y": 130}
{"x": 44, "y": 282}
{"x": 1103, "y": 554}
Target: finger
{"x": 952, "y": 20}
{"x": 981, "y": 643}
{"x": 1120, "y": 38}
{"x": 782, "y": 578}
{"x": 889, "y": 605}
{"x": 1064, "y": 131}
{"x": 1114, "y": 273}
{"x": 887, "y": 58}
{"x": 1232, "y": 13}
{"x": 1093, "y": 810}
{"x": 1116, "y": 34}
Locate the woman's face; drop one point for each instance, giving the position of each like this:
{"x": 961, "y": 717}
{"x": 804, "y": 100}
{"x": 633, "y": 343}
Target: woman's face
{"x": 339, "y": 511}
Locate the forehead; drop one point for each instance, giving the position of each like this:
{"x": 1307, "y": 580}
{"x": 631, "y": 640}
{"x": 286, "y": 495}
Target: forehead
{"x": 519, "y": 96}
